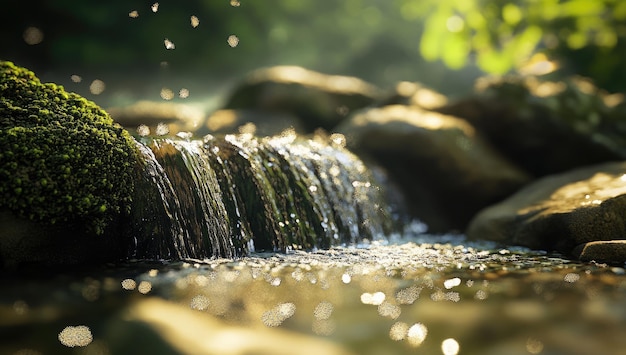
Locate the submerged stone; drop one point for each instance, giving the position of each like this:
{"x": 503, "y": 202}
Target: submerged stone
{"x": 559, "y": 212}
{"x": 446, "y": 171}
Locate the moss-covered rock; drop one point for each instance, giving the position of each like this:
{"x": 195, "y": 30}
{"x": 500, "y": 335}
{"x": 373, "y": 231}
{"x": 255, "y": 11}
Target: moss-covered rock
{"x": 62, "y": 158}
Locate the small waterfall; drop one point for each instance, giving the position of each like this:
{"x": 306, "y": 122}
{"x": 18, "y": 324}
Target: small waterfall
{"x": 227, "y": 196}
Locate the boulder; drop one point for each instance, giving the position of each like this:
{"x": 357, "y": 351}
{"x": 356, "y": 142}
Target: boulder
{"x": 560, "y": 212}
{"x": 319, "y": 100}
{"x": 444, "y": 168}
{"x": 604, "y": 251}
{"x": 544, "y": 127}
{"x": 67, "y": 174}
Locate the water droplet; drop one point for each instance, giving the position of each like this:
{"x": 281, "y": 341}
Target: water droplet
{"x": 233, "y": 41}
{"x": 143, "y": 130}
{"x": 97, "y": 87}
{"x": 200, "y": 302}
{"x": 155, "y": 7}
{"x": 277, "y": 315}
{"x": 32, "y": 36}
{"x": 481, "y": 295}
{"x": 194, "y": 21}
{"x": 389, "y": 310}
{"x": 129, "y": 284}
{"x": 346, "y": 278}
{"x": 408, "y": 295}
{"x": 144, "y": 287}
{"x": 450, "y": 283}
{"x": 162, "y": 129}
{"x": 75, "y": 336}
{"x": 169, "y": 44}
{"x": 398, "y": 331}
{"x": 375, "y": 299}
{"x": 571, "y": 277}
{"x": 133, "y": 14}
{"x": 275, "y": 281}
{"x": 323, "y": 310}
{"x": 76, "y": 78}
{"x": 450, "y": 347}
{"x": 167, "y": 94}
{"x": 417, "y": 334}
{"x": 534, "y": 346}
{"x": 235, "y": 3}
{"x": 183, "y": 93}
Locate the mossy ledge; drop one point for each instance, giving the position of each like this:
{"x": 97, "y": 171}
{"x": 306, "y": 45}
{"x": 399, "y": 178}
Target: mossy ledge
{"x": 63, "y": 161}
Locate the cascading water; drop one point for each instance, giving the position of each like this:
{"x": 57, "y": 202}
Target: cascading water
{"x": 227, "y": 196}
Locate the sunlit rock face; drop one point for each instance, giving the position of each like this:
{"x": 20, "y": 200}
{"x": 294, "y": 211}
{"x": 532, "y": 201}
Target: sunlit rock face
{"x": 545, "y": 127}
{"x": 319, "y": 100}
{"x": 559, "y": 212}
{"x": 446, "y": 171}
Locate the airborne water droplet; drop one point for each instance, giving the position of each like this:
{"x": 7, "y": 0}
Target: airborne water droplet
{"x": 233, "y": 41}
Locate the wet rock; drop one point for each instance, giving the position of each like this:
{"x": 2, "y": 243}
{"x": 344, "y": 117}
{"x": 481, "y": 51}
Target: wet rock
{"x": 544, "y": 127}
{"x": 261, "y": 123}
{"x": 610, "y": 251}
{"x": 319, "y": 100}
{"x": 158, "y": 117}
{"x": 446, "y": 171}
{"x": 559, "y": 212}
{"x": 67, "y": 173}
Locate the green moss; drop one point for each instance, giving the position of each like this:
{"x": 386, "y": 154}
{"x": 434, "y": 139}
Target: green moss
{"x": 62, "y": 158}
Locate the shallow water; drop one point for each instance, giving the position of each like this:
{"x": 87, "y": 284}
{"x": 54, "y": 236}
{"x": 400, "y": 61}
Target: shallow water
{"x": 424, "y": 295}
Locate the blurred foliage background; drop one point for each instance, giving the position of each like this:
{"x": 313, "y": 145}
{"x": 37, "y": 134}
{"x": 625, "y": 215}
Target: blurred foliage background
{"x": 445, "y": 44}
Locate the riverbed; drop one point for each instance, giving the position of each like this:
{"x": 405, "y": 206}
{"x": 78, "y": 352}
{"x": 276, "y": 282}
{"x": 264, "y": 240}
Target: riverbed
{"x": 419, "y": 294}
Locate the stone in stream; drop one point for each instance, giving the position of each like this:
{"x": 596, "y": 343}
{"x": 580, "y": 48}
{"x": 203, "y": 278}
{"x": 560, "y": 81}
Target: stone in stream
{"x": 580, "y": 212}
{"x": 67, "y": 173}
{"x": 319, "y": 100}
{"x": 545, "y": 127}
{"x": 446, "y": 171}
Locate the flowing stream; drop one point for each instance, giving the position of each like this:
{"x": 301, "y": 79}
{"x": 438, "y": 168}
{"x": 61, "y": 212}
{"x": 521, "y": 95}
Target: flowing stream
{"x": 245, "y": 245}
{"x": 226, "y": 197}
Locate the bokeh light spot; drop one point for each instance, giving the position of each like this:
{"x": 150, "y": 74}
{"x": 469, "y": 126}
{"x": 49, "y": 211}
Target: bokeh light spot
{"x": 233, "y": 41}
{"x": 75, "y": 336}
{"x": 33, "y": 35}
